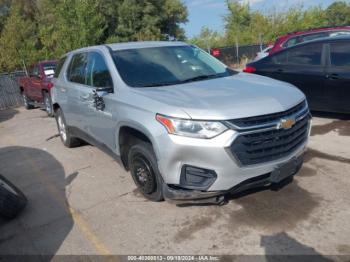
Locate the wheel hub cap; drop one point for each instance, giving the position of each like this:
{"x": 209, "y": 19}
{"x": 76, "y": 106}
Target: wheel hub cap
{"x": 144, "y": 175}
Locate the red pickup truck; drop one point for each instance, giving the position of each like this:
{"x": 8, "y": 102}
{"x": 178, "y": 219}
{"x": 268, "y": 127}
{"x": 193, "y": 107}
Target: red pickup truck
{"x": 35, "y": 88}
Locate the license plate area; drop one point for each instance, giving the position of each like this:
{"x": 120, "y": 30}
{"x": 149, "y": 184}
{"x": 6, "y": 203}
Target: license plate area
{"x": 285, "y": 170}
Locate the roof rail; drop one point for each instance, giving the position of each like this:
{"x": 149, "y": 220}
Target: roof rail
{"x": 315, "y": 28}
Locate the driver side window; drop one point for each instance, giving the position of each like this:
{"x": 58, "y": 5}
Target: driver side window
{"x": 97, "y": 72}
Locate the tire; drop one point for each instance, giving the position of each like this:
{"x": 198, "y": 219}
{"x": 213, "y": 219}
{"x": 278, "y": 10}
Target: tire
{"x": 27, "y": 101}
{"x": 12, "y": 200}
{"x": 144, "y": 171}
{"x": 48, "y": 104}
{"x": 67, "y": 139}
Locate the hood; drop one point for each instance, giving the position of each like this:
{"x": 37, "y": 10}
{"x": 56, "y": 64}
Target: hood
{"x": 238, "y": 96}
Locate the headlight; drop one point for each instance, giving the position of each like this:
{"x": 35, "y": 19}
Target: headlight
{"x": 191, "y": 128}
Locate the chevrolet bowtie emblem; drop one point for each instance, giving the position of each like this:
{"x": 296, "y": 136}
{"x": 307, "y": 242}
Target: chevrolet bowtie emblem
{"x": 286, "y": 123}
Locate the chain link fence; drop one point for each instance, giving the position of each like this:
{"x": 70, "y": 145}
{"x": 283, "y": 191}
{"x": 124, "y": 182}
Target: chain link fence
{"x": 10, "y": 95}
{"x": 234, "y": 56}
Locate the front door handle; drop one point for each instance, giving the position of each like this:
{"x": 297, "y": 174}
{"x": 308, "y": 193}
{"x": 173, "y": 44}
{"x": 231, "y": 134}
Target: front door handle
{"x": 63, "y": 90}
{"x": 332, "y": 76}
{"x": 279, "y": 70}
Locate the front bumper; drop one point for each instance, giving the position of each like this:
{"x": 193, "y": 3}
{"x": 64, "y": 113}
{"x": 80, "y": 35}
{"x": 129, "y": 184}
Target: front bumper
{"x": 279, "y": 174}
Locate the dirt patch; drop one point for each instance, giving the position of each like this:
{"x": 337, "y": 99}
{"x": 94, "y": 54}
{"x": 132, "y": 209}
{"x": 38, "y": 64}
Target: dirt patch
{"x": 306, "y": 171}
{"x": 342, "y": 127}
{"x": 273, "y": 210}
{"x": 344, "y": 249}
{"x": 196, "y": 224}
{"x": 312, "y": 153}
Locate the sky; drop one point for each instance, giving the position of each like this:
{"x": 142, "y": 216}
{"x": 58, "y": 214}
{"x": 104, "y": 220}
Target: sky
{"x": 210, "y": 12}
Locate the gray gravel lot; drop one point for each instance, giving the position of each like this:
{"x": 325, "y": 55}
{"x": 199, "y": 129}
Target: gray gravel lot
{"x": 82, "y": 202}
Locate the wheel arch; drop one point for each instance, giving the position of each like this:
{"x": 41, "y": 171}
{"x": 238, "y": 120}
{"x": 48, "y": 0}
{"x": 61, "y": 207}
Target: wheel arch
{"x": 127, "y": 136}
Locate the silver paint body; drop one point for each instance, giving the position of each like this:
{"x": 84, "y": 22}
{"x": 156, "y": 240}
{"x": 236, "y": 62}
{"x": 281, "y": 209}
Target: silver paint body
{"x": 237, "y": 96}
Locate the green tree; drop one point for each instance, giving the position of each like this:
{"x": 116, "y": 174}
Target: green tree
{"x": 338, "y": 14}
{"x": 18, "y": 41}
{"x": 207, "y": 39}
{"x": 149, "y": 20}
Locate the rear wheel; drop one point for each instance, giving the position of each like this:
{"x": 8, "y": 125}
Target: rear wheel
{"x": 12, "y": 200}
{"x": 144, "y": 170}
{"x": 48, "y": 104}
{"x": 27, "y": 101}
{"x": 67, "y": 139}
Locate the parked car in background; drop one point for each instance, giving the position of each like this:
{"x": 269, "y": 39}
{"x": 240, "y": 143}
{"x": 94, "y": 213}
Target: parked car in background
{"x": 295, "y": 38}
{"x": 184, "y": 124}
{"x": 12, "y": 200}
{"x": 263, "y": 53}
{"x": 36, "y": 87}
{"x": 320, "y": 68}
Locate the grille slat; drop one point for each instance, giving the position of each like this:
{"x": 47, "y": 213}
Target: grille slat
{"x": 264, "y": 146}
{"x": 264, "y": 119}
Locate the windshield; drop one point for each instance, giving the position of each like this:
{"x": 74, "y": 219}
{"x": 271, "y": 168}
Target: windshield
{"x": 49, "y": 69}
{"x": 160, "y": 66}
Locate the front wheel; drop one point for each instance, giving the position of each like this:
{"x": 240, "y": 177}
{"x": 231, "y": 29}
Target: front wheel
{"x": 144, "y": 170}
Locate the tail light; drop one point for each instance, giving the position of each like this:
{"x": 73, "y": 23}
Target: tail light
{"x": 215, "y": 52}
{"x": 249, "y": 69}
{"x": 49, "y": 85}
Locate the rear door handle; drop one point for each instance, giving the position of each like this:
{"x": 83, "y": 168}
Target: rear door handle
{"x": 332, "y": 76}
{"x": 279, "y": 70}
{"x": 63, "y": 90}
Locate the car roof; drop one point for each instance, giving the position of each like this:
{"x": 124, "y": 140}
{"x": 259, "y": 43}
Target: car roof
{"x": 131, "y": 45}
{"x": 314, "y": 30}
{"x": 323, "y": 39}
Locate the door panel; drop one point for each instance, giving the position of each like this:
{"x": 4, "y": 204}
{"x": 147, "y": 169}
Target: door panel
{"x": 304, "y": 67}
{"x": 338, "y": 77}
{"x": 76, "y": 76}
{"x": 100, "y": 123}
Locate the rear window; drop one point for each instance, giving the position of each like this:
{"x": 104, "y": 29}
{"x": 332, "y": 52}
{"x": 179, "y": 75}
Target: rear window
{"x": 59, "y": 66}
{"x": 340, "y": 54}
{"x": 49, "y": 69}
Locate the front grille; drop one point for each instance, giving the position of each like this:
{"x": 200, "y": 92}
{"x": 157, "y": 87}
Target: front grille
{"x": 264, "y": 119}
{"x": 270, "y": 144}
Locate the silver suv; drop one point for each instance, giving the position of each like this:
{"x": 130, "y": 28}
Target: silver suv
{"x": 185, "y": 125}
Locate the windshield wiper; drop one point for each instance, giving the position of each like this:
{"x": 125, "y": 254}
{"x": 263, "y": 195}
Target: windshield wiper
{"x": 161, "y": 84}
{"x": 200, "y": 77}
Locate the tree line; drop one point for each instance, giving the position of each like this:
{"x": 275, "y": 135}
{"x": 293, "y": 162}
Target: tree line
{"x": 244, "y": 26}
{"x": 32, "y": 30}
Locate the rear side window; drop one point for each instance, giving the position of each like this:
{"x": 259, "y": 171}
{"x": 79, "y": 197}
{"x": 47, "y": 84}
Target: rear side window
{"x": 305, "y": 55}
{"x": 340, "y": 54}
{"x": 77, "y": 69}
{"x": 311, "y": 37}
{"x": 291, "y": 42}
{"x": 34, "y": 71}
{"x": 59, "y": 66}
{"x": 97, "y": 73}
